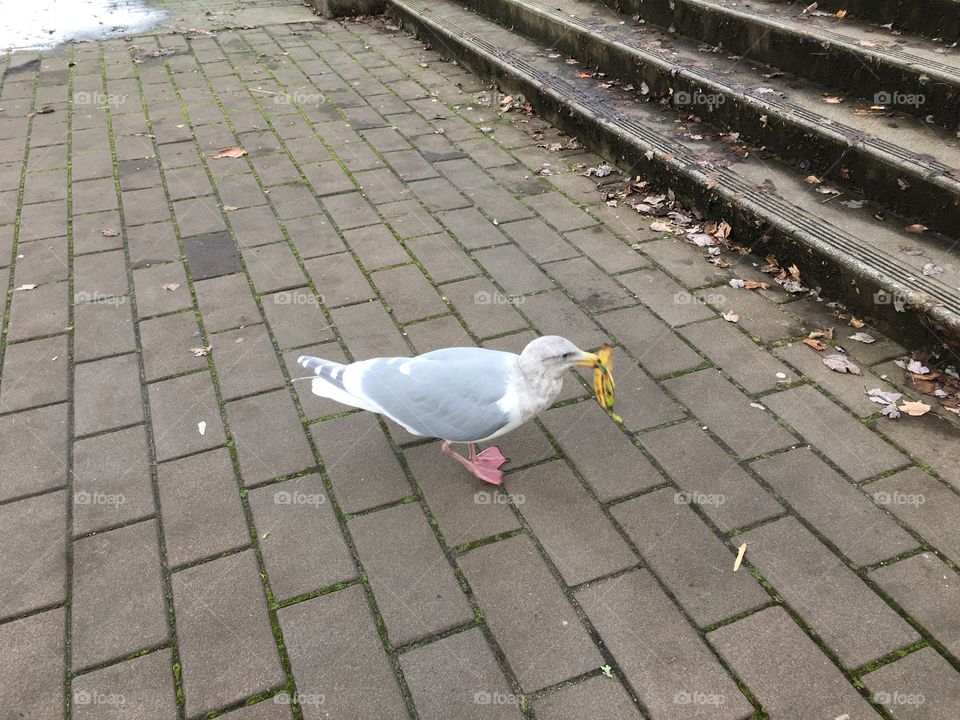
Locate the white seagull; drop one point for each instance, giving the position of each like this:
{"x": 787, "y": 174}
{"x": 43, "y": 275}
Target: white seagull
{"x": 460, "y": 395}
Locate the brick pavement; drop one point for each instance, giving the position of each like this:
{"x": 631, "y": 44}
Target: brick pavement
{"x": 185, "y": 532}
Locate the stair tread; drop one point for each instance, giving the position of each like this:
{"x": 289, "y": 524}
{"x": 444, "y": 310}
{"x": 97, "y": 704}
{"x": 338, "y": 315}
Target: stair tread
{"x": 853, "y": 238}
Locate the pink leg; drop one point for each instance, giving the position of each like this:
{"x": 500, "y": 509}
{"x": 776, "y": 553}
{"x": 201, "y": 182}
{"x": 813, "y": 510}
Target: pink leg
{"x": 480, "y": 466}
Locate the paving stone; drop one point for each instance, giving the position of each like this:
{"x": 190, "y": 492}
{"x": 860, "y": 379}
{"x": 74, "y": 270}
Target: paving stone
{"x": 224, "y": 637}
{"x": 255, "y": 226}
{"x": 408, "y": 219}
{"x": 144, "y": 206}
{"x": 417, "y": 592}
{"x": 408, "y": 293}
{"x": 350, "y": 210}
{"x": 111, "y": 480}
{"x": 359, "y": 461}
{"x": 279, "y": 449}
{"x": 780, "y": 664}
{"x": 33, "y": 554}
{"x": 34, "y": 373}
{"x": 375, "y": 247}
{"x": 368, "y": 331}
{"x": 607, "y": 701}
{"x": 540, "y": 241}
{"x": 442, "y": 332}
{"x": 853, "y": 622}
{"x": 143, "y": 686}
{"x": 107, "y": 394}
{"x": 924, "y": 504}
{"x": 245, "y": 361}
{"x": 442, "y": 257}
{"x": 410, "y": 165}
{"x": 927, "y": 589}
{"x": 560, "y": 212}
{"x": 148, "y": 244}
{"x": 186, "y": 182}
{"x": 339, "y": 279}
{"x": 471, "y": 228}
{"x": 438, "y": 194}
{"x": 381, "y": 185}
{"x": 273, "y": 267}
{"x": 99, "y": 276}
{"x": 512, "y": 270}
{"x": 336, "y": 654}
{"x": 498, "y": 203}
{"x": 313, "y": 236}
{"x": 605, "y": 249}
{"x": 211, "y": 255}
{"x": 534, "y": 624}
{"x": 167, "y": 343}
{"x": 226, "y": 302}
{"x": 553, "y": 314}
{"x": 327, "y": 178}
{"x": 715, "y": 401}
{"x": 848, "y": 389}
{"x": 177, "y": 407}
{"x": 40, "y": 261}
{"x": 688, "y": 558}
{"x": 118, "y": 604}
{"x": 31, "y": 670}
{"x": 655, "y": 345}
{"x": 155, "y": 299}
{"x": 590, "y": 287}
{"x": 295, "y": 318}
{"x": 40, "y": 220}
{"x": 198, "y": 216}
{"x": 921, "y": 685}
{"x": 609, "y": 462}
{"x": 101, "y": 329}
{"x": 441, "y": 689}
{"x": 856, "y": 450}
{"x": 43, "y": 311}
{"x": 758, "y": 316}
{"x": 834, "y": 507}
{"x": 485, "y": 309}
{"x": 275, "y": 708}
{"x": 737, "y": 355}
{"x": 686, "y": 263}
{"x": 703, "y": 470}
{"x": 926, "y": 438}
{"x": 240, "y": 190}
{"x": 662, "y": 656}
{"x": 674, "y": 304}
{"x": 300, "y": 539}
{"x": 33, "y": 451}
{"x": 576, "y": 535}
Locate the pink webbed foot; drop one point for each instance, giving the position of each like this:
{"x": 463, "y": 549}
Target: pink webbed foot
{"x": 481, "y": 466}
{"x": 491, "y": 457}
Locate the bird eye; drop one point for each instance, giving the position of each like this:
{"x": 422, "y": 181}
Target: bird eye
{"x": 567, "y": 355}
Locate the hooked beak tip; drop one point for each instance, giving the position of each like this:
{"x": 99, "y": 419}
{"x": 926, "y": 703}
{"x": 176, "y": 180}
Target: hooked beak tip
{"x": 590, "y": 360}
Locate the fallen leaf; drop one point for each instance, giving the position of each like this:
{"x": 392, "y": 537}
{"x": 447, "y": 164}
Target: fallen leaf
{"x": 731, "y": 316}
{"x": 828, "y": 334}
{"x": 46, "y": 109}
{"x": 170, "y": 286}
{"x": 229, "y": 152}
{"x": 229, "y": 208}
{"x": 841, "y": 14}
{"x": 884, "y": 397}
{"x": 832, "y": 99}
{"x": 841, "y": 364}
{"x": 200, "y": 351}
{"x": 866, "y": 338}
{"x": 856, "y": 322}
{"x": 915, "y": 409}
{"x": 815, "y": 344}
{"x": 917, "y": 368}
{"x": 916, "y": 229}
{"x": 658, "y": 226}
{"x": 812, "y": 180}
{"x": 107, "y": 232}
{"x": 891, "y": 411}
{"x": 810, "y": 8}
{"x": 740, "y": 553}
{"x": 932, "y": 269}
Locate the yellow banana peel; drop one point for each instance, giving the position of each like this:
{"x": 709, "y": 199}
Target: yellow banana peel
{"x": 603, "y": 382}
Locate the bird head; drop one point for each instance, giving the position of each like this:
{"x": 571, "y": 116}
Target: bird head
{"x": 554, "y": 354}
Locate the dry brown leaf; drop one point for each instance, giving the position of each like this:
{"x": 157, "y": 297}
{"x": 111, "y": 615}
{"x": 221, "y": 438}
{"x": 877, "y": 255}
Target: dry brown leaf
{"x": 658, "y": 226}
{"x": 107, "y": 232}
{"x": 229, "y": 152}
{"x": 856, "y": 322}
{"x": 812, "y": 180}
{"x": 828, "y": 334}
{"x": 815, "y": 344}
{"x": 731, "y": 316}
{"x": 753, "y": 285}
{"x": 832, "y": 99}
{"x": 841, "y": 364}
{"x": 200, "y": 351}
{"x": 841, "y": 14}
{"x": 916, "y": 228}
{"x": 916, "y": 409}
{"x": 740, "y": 553}
{"x": 170, "y": 286}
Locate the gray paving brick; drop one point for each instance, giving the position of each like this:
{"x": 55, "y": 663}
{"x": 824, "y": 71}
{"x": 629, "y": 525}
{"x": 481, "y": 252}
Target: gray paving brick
{"x": 856, "y": 450}
{"x": 441, "y": 689}
{"x": 688, "y": 558}
{"x": 245, "y": 361}
{"x": 186, "y": 182}
{"x": 148, "y": 244}
{"x": 273, "y": 267}
{"x": 410, "y": 165}
{"x": 848, "y": 389}
{"x": 31, "y": 669}
{"x": 313, "y": 236}
{"x": 368, "y": 331}
{"x": 279, "y": 449}
{"x": 145, "y": 685}
{"x": 42, "y": 311}
{"x": 40, "y": 220}
{"x": 408, "y": 219}
{"x": 275, "y": 708}
{"x": 327, "y": 178}
{"x": 226, "y": 302}
{"x": 471, "y": 228}
{"x": 537, "y": 629}
{"x": 111, "y": 480}
{"x": 560, "y": 212}
{"x": 144, "y": 206}
{"x": 240, "y": 190}
{"x": 853, "y": 621}
{"x": 553, "y": 314}
{"x": 715, "y": 401}
{"x": 655, "y": 345}
{"x": 926, "y": 439}
{"x": 925, "y": 587}
{"x": 381, "y": 185}
{"x": 118, "y": 604}
{"x": 540, "y": 241}
{"x": 512, "y": 270}
{"x": 300, "y": 539}
{"x": 295, "y": 318}
{"x": 153, "y": 298}
{"x": 224, "y": 637}
{"x": 605, "y": 249}
{"x": 701, "y": 468}
{"x": 211, "y": 255}
{"x": 924, "y": 504}
{"x": 607, "y": 701}
{"x": 177, "y": 407}
{"x": 339, "y": 279}
{"x": 374, "y": 245}
{"x": 438, "y": 194}
{"x": 737, "y": 355}
{"x": 102, "y": 328}
{"x": 98, "y": 275}
{"x": 758, "y": 316}
{"x": 442, "y": 257}
{"x": 673, "y": 303}
{"x": 922, "y": 684}
{"x": 835, "y": 507}
{"x": 336, "y": 654}
{"x": 498, "y": 203}
{"x": 640, "y": 401}
{"x": 255, "y": 226}
{"x": 198, "y": 216}
{"x": 350, "y": 210}
{"x": 659, "y": 653}
{"x": 33, "y": 560}
{"x": 167, "y": 343}
{"x": 442, "y": 332}
{"x": 590, "y": 286}
{"x": 485, "y": 309}
{"x": 40, "y": 261}
{"x": 34, "y": 373}
{"x": 107, "y": 394}
{"x": 408, "y": 293}
{"x": 780, "y": 664}
{"x": 687, "y": 263}
{"x": 33, "y": 451}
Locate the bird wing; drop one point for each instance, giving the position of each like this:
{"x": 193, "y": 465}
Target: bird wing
{"x": 456, "y": 394}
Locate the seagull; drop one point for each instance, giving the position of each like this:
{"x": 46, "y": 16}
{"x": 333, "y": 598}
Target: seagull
{"x": 459, "y": 395}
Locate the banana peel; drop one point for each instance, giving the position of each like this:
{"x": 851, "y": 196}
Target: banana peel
{"x": 603, "y": 386}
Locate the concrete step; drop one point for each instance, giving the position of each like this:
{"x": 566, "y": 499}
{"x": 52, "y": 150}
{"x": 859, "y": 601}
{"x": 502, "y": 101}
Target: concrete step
{"x": 936, "y": 18}
{"x": 884, "y": 155}
{"x": 850, "y": 57}
{"x": 854, "y": 257}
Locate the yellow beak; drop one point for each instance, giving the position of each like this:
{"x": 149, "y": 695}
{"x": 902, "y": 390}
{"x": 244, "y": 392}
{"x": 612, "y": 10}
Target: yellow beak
{"x": 590, "y": 360}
